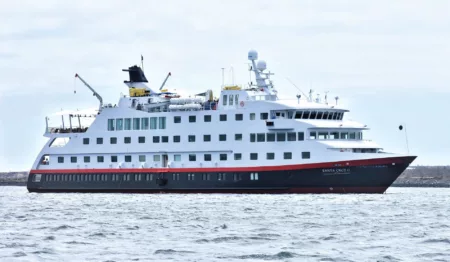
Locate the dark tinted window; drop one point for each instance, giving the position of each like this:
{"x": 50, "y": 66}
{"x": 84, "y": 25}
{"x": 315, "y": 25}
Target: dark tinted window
{"x": 261, "y": 137}
{"x": 73, "y": 159}
{"x": 239, "y": 117}
{"x": 155, "y": 139}
{"x": 271, "y": 137}
{"x": 306, "y": 155}
{"x": 287, "y": 155}
{"x": 223, "y": 157}
{"x": 113, "y": 140}
{"x": 100, "y": 159}
{"x": 192, "y": 157}
{"x": 270, "y": 156}
{"x": 191, "y": 138}
{"x": 281, "y": 137}
{"x": 301, "y": 136}
{"x": 223, "y": 117}
{"x": 264, "y": 116}
{"x": 222, "y": 137}
{"x": 141, "y": 139}
{"x": 60, "y": 159}
{"x": 207, "y": 157}
{"x": 176, "y": 139}
{"x": 177, "y": 119}
{"x": 87, "y": 159}
{"x": 238, "y": 137}
{"x": 86, "y": 141}
{"x": 192, "y": 119}
{"x": 114, "y": 159}
{"x": 237, "y": 156}
{"x": 252, "y": 137}
{"x": 207, "y": 138}
{"x": 127, "y": 140}
{"x": 165, "y": 139}
{"x": 128, "y": 158}
{"x": 99, "y": 140}
{"x": 291, "y": 136}
{"x": 253, "y": 156}
{"x": 207, "y": 118}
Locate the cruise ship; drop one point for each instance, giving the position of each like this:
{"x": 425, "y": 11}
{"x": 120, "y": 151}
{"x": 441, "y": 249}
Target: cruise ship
{"x": 246, "y": 140}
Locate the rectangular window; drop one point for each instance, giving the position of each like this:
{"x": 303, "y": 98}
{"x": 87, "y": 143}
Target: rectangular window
{"x": 252, "y": 137}
{"x": 145, "y": 124}
{"x": 344, "y": 135}
{"x": 177, "y": 119}
{"x": 231, "y": 100}
{"x": 60, "y": 159}
{"x": 239, "y": 117}
{"x": 225, "y": 97}
{"x": 191, "y": 138}
{"x": 312, "y": 135}
{"x": 176, "y": 139}
{"x": 100, "y": 159}
{"x": 238, "y": 137}
{"x": 192, "y": 157}
{"x": 207, "y": 138}
{"x": 223, "y": 157}
{"x": 110, "y": 124}
{"x": 127, "y": 125}
{"x": 113, "y": 159}
{"x": 223, "y": 118}
{"x": 119, "y": 124}
{"x": 207, "y": 118}
{"x": 192, "y": 119}
{"x": 177, "y": 158}
{"x": 252, "y": 116}
{"x": 287, "y": 155}
{"x": 270, "y": 137}
{"x": 164, "y": 139}
{"x": 73, "y": 159}
{"x": 127, "y": 140}
{"x": 306, "y": 155}
{"x": 261, "y": 137}
{"x": 352, "y": 135}
{"x": 86, "y": 141}
{"x": 323, "y": 135}
{"x": 270, "y": 156}
{"x": 153, "y": 122}
{"x": 281, "y": 137}
{"x": 87, "y": 159}
{"x": 141, "y": 139}
{"x": 128, "y": 158}
{"x": 237, "y": 156}
{"x": 142, "y": 158}
{"x": 99, "y": 140}
{"x": 162, "y": 122}
{"x": 113, "y": 140}
{"x": 253, "y": 156}
{"x": 254, "y": 176}
{"x": 301, "y": 136}
{"x": 156, "y": 158}
{"x": 207, "y": 157}
{"x": 291, "y": 136}
{"x": 222, "y": 137}
{"x": 155, "y": 139}
{"x": 264, "y": 116}
{"x": 136, "y": 123}
{"x": 334, "y": 135}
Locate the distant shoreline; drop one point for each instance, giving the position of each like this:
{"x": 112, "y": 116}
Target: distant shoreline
{"x": 415, "y": 176}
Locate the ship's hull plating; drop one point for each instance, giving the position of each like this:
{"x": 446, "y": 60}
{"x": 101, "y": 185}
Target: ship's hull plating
{"x": 357, "y": 176}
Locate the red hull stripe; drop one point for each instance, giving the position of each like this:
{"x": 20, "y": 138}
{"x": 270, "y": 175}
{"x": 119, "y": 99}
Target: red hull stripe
{"x": 350, "y": 163}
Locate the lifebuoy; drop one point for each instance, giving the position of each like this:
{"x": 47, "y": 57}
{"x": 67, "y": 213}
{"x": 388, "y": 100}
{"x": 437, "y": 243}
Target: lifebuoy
{"x": 242, "y": 103}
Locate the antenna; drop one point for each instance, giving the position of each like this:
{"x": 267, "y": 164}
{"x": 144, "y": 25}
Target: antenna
{"x": 142, "y": 62}
{"x": 295, "y": 86}
{"x": 310, "y": 95}
{"x": 223, "y": 77}
{"x": 298, "y": 98}
{"x": 336, "y": 98}
{"x": 326, "y": 97}
{"x": 232, "y": 75}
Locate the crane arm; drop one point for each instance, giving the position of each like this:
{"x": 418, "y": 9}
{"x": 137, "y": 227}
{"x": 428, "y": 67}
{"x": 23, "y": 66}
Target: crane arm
{"x": 165, "y": 80}
{"x": 92, "y": 89}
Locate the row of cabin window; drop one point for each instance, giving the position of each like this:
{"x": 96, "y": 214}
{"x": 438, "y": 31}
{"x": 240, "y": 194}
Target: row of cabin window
{"x": 319, "y": 115}
{"x": 162, "y": 139}
{"x": 279, "y": 137}
{"x": 177, "y": 157}
{"x": 336, "y": 135}
{"x": 222, "y": 117}
{"x": 145, "y": 177}
{"x": 143, "y": 123}
{"x": 230, "y": 101}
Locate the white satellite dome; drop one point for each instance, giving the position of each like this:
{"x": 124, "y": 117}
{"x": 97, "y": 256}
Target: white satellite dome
{"x": 261, "y": 65}
{"x": 252, "y": 55}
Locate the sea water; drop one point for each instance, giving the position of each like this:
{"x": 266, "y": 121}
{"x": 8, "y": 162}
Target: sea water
{"x": 405, "y": 224}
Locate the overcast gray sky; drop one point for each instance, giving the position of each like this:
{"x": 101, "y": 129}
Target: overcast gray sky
{"x": 389, "y": 61}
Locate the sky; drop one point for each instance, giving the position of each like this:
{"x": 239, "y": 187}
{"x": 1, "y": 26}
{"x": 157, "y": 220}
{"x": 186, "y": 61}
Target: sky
{"x": 388, "y": 61}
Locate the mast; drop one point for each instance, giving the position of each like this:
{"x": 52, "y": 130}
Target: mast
{"x": 100, "y": 99}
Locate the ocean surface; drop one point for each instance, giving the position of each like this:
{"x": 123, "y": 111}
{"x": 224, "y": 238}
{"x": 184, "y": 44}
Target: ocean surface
{"x": 405, "y": 224}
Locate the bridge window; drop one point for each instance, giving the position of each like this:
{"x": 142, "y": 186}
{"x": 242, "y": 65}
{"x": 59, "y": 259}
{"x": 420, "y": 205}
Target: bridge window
{"x": 306, "y": 115}
{"x": 319, "y": 115}
{"x": 162, "y": 122}
{"x": 153, "y": 122}
{"x": 344, "y": 135}
{"x": 352, "y": 135}
{"x": 270, "y": 156}
{"x": 237, "y": 156}
{"x": 325, "y": 115}
{"x": 312, "y": 135}
{"x": 313, "y": 115}
{"x": 323, "y": 135}
{"x": 110, "y": 124}
{"x": 192, "y": 119}
{"x": 177, "y": 119}
{"x": 127, "y": 125}
{"x": 136, "y": 123}
{"x": 207, "y": 118}
{"x": 207, "y": 157}
{"x": 334, "y": 135}
{"x": 144, "y": 123}
{"x": 176, "y": 139}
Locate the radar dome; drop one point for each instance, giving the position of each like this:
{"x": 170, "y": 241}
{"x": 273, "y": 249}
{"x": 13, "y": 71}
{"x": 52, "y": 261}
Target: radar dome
{"x": 252, "y": 55}
{"x": 261, "y": 66}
